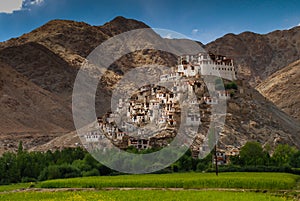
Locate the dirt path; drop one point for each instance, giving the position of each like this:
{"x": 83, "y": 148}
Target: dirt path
{"x": 126, "y": 189}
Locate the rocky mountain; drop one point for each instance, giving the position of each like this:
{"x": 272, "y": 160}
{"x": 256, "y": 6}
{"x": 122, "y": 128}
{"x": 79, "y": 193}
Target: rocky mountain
{"x": 28, "y": 112}
{"x": 39, "y": 69}
{"x": 282, "y": 88}
{"x": 250, "y": 117}
{"x": 258, "y": 56}
{"x": 48, "y": 58}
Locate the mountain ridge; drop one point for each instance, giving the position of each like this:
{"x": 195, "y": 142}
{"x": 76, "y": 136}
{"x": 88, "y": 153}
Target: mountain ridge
{"x": 50, "y": 56}
{"x": 257, "y": 56}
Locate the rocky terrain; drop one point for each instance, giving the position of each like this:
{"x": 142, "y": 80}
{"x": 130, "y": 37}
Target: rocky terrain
{"x": 28, "y": 112}
{"x": 38, "y": 70}
{"x": 250, "y": 117}
{"x": 282, "y": 88}
{"x": 258, "y": 56}
{"x": 49, "y": 58}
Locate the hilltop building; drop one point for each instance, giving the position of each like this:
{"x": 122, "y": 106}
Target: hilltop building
{"x": 207, "y": 64}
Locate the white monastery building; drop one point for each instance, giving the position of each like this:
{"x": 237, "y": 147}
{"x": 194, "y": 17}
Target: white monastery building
{"x": 207, "y": 64}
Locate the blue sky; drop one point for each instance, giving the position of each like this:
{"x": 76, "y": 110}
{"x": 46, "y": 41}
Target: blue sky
{"x": 201, "y": 20}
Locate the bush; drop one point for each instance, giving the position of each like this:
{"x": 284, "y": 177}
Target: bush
{"x": 68, "y": 171}
{"x": 81, "y": 165}
{"x": 28, "y": 179}
{"x": 231, "y": 85}
{"x": 59, "y": 171}
{"x": 103, "y": 170}
{"x": 93, "y": 172}
{"x": 201, "y": 167}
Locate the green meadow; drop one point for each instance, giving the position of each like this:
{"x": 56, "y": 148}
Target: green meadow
{"x": 180, "y": 186}
{"x": 274, "y": 181}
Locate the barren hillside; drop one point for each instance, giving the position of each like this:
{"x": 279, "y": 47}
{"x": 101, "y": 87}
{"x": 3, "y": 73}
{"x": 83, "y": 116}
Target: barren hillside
{"x": 41, "y": 66}
{"x": 282, "y": 88}
{"x": 29, "y": 112}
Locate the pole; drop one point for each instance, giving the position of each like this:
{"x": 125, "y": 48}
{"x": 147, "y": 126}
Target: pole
{"x": 216, "y": 160}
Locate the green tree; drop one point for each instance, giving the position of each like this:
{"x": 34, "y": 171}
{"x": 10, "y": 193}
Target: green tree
{"x": 295, "y": 160}
{"x": 90, "y": 160}
{"x": 283, "y": 154}
{"x": 20, "y": 147}
{"x": 9, "y": 169}
{"x": 252, "y": 153}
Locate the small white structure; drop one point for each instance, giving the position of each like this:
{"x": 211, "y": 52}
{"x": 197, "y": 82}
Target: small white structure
{"x": 120, "y": 135}
{"x": 188, "y": 70}
{"x": 93, "y": 136}
{"x": 223, "y": 94}
{"x": 162, "y": 120}
{"x": 172, "y": 122}
{"x": 193, "y": 120}
{"x": 162, "y": 96}
{"x": 139, "y": 143}
{"x": 210, "y": 101}
{"x": 171, "y": 77}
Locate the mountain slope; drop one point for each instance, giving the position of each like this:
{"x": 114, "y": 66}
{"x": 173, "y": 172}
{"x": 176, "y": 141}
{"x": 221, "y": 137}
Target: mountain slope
{"x": 258, "y": 56}
{"x": 29, "y": 112}
{"x": 70, "y": 40}
{"x": 41, "y": 66}
{"x": 46, "y": 62}
{"x": 282, "y": 88}
{"x": 250, "y": 117}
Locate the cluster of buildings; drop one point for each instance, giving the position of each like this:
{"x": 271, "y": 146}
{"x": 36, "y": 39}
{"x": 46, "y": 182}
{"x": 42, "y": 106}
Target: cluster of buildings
{"x": 154, "y": 108}
{"x": 151, "y": 104}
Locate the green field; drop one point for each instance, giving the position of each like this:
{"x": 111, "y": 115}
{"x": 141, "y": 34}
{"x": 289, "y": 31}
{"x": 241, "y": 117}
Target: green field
{"x": 181, "y": 186}
{"x": 12, "y": 187}
{"x": 274, "y": 181}
{"x": 132, "y": 195}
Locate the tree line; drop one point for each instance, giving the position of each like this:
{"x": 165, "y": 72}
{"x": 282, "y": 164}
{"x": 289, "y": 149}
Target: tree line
{"x": 24, "y": 166}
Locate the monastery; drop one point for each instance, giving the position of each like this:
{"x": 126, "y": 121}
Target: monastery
{"x": 158, "y": 106}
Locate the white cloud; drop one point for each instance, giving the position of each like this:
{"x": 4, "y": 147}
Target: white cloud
{"x": 298, "y": 25}
{"x": 9, "y": 6}
{"x": 195, "y": 31}
{"x": 32, "y": 2}
{"x": 168, "y": 36}
{"x": 27, "y": 4}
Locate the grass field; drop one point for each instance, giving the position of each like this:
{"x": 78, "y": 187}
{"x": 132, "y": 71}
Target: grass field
{"x": 14, "y": 187}
{"x": 274, "y": 181}
{"x": 132, "y": 195}
{"x": 187, "y": 186}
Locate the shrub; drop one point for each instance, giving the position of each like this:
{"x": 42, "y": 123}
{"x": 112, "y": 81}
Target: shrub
{"x": 59, "y": 171}
{"x": 231, "y": 85}
{"x": 93, "y": 172}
